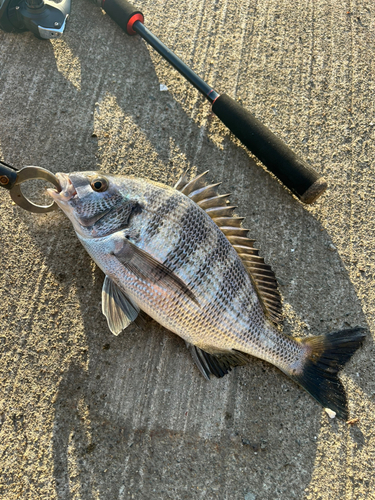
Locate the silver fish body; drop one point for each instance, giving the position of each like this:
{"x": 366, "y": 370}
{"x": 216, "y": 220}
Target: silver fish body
{"x": 166, "y": 254}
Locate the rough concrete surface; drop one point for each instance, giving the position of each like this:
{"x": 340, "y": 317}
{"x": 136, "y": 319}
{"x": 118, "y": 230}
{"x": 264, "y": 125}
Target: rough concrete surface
{"x": 87, "y": 415}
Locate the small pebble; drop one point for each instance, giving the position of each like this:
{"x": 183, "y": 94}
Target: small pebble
{"x": 330, "y": 412}
{"x": 250, "y": 496}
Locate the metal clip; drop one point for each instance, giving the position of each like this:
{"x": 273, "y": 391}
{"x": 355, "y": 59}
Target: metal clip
{"x": 29, "y": 173}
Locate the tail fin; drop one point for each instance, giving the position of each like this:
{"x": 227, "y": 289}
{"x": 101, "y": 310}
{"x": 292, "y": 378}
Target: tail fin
{"x": 327, "y": 354}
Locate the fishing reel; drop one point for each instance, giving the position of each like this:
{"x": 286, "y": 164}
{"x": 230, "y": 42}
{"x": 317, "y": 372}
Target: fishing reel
{"x": 43, "y": 18}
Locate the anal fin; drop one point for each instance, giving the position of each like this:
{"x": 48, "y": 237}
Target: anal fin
{"x": 218, "y": 364}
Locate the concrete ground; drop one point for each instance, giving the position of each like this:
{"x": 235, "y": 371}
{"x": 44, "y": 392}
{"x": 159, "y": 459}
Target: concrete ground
{"x": 87, "y": 415}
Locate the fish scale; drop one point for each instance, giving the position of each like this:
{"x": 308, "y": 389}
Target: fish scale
{"x": 181, "y": 256}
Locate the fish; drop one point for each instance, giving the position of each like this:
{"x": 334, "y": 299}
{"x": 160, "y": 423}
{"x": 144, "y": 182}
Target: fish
{"x": 182, "y": 256}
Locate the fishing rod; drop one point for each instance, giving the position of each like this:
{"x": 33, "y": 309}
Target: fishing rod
{"x": 276, "y": 156}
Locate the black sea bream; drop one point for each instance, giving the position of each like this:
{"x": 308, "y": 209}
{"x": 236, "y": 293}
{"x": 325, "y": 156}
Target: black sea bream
{"x": 181, "y": 256}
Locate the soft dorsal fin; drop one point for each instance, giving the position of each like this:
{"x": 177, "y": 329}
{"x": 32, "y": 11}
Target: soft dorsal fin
{"x": 216, "y": 206}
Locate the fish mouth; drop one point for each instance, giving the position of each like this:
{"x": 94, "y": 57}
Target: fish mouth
{"x": 67, "y": 189}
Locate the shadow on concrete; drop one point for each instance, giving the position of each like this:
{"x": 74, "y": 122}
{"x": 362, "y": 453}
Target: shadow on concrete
{"x": 136, "y": 418}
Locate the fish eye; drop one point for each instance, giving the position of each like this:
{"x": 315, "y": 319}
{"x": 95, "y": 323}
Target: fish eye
{"x": 100, "y": 184}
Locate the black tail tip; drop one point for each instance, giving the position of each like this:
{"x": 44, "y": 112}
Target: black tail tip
{"x": 327, "y": 355}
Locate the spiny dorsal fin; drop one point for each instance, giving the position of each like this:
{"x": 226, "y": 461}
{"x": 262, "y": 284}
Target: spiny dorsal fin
{"x": 195, "y": 183}
{"x": 182, "y": 181}
{"x": 216, "y": 206}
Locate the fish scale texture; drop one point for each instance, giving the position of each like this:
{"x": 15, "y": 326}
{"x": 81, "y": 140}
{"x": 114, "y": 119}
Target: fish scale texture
{"x": 174, "y": 230}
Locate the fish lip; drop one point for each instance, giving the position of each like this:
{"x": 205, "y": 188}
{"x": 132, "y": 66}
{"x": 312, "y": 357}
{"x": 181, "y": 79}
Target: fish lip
{"x": 67, "y": 191}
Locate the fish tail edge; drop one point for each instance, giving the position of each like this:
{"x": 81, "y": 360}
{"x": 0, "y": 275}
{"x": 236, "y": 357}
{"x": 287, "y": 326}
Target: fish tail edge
{"x": 325, "y": 356}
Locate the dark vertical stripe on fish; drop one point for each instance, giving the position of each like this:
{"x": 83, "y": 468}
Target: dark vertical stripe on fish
{"x": 218, "y": 255}
{"x": 160, "y": 216}
{"x": 194, "y": 230}
{"x": 234, "y": 282}
{"x": 236, "y": 286}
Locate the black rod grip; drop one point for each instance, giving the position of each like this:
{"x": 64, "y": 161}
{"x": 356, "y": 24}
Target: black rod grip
{"x": 123, "y": 13}
{"x": 293, "y": 172}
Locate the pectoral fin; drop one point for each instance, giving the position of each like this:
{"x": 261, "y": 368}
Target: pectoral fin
{"x": 148, "y": 269}
{"x": 119, "y": 310}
